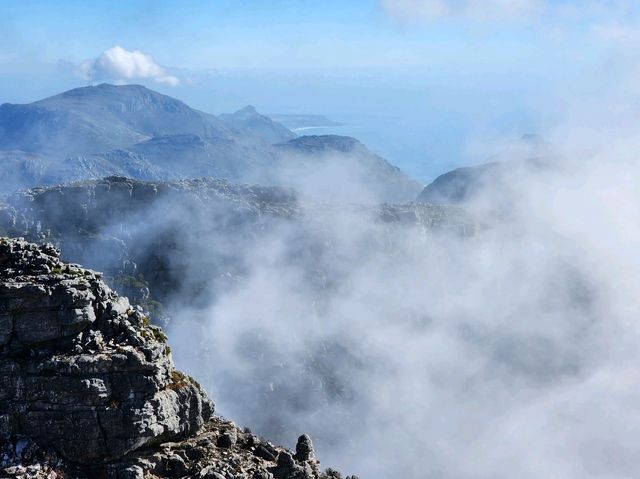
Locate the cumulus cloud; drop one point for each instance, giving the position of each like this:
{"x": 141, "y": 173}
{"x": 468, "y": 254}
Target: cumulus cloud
{"x": 120, "y": 65}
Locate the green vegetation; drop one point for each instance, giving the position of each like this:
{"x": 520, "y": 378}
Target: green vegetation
{"x": 66, "y": 269}
{"x": 178, "y": 380}
{"x": 158, "y": 335}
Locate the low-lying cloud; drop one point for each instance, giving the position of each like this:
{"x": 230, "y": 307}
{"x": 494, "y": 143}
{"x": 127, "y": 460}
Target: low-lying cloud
{"x": 121, "y": 65}
{"x": 405, "y": 353}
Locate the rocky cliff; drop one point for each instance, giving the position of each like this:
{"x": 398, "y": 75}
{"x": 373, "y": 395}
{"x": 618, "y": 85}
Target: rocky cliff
{"x": 88, "y": 387}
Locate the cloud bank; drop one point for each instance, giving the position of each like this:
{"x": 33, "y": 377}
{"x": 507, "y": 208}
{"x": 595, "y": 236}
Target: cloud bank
{"x": 120, "y": 65}
{"x": 511, "y": 353}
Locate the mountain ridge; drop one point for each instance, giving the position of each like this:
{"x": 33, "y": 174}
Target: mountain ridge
{"x": 96, "y": 131}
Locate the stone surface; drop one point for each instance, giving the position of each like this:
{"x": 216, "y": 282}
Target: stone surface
{"x": 304, "y": 449}
{"x": 83, "y": 373}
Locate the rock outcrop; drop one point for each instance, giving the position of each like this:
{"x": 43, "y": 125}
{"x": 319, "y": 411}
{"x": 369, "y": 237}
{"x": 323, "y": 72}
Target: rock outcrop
{"x": 88, "y": 388}
{"x": 82, "y": 372}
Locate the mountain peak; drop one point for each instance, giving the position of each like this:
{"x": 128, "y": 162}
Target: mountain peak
{"x": 249, "y": 109}
{"x": 248, "y": 118}
{"x": 107, "y": 92}
{"x": 100, "y": 118}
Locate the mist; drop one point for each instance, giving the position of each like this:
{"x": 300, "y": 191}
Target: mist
{"x": 483, "y": 326}
{"x": 413, "y": 352}
{"x": 493, "y": 339}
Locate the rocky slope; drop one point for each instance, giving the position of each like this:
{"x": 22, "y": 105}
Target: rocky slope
{"x": 89, "y": 389}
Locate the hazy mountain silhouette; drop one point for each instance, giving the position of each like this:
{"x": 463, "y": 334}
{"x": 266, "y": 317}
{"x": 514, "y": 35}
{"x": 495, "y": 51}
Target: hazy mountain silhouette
{"x": 129, "y": 130}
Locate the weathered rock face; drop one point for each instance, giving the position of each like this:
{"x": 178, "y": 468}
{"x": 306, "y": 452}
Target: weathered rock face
{"x": 83, "y": 373}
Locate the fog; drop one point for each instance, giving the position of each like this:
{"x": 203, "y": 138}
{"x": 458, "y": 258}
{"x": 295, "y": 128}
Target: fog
{"x": 496, "y": 340}
{"x": 410, "y": 352}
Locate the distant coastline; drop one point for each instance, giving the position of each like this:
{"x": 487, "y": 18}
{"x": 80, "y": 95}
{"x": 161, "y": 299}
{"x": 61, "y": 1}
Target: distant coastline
{"x": 304, "y": 122}
{"x": 314, "y": 127}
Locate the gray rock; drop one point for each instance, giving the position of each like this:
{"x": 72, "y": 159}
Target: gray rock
{"x": 176, "y": 466}
{"x": 6, "y": 328}
{"x": 227, "y": 439}
{"x": 304, "y": 449}
{"x": 82, "y": 372}
{"x": 133, "y": 472}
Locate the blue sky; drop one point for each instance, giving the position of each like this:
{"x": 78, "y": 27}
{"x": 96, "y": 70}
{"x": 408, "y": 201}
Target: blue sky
{"x": 431, "y": 74}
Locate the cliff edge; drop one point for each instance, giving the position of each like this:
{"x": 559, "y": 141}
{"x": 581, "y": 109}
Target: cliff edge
{"x": 88, "y": 388}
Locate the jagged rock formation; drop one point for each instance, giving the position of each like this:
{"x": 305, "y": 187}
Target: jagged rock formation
{"x": 88, "y": 387}
{"x": 83, "y": 372}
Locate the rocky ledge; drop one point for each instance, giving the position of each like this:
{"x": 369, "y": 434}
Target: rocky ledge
{"x": 88, "y": 387}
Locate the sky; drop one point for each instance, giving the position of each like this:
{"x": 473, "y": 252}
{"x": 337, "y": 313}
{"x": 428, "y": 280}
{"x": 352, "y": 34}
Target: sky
{"x": 430, "y": 84}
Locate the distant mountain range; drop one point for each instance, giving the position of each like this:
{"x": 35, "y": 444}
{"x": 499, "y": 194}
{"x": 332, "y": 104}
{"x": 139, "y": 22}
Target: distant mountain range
{"x": 129, "y": 130}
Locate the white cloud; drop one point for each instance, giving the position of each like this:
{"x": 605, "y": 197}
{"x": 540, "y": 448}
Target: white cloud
{"x": 426, "y": 10}
{"x": 596, "y": 11}
{"x": 618, "y": 34}
{"x": 120, "y": 65}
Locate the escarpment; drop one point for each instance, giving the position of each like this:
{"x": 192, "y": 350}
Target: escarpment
{"x": 88, "y": 388}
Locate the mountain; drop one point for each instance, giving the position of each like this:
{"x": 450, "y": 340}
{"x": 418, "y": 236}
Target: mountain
{"x": 342, "y": 159}
{"x": 249, "y": 119}
{"x": 129, "y": 130}
{"x": 99, "y": 118}
{"x": 90, "y": 390}
{"x": 495, "y": 181}
{"x": 459, "y": 185}
{"x": 529, "y": 154}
